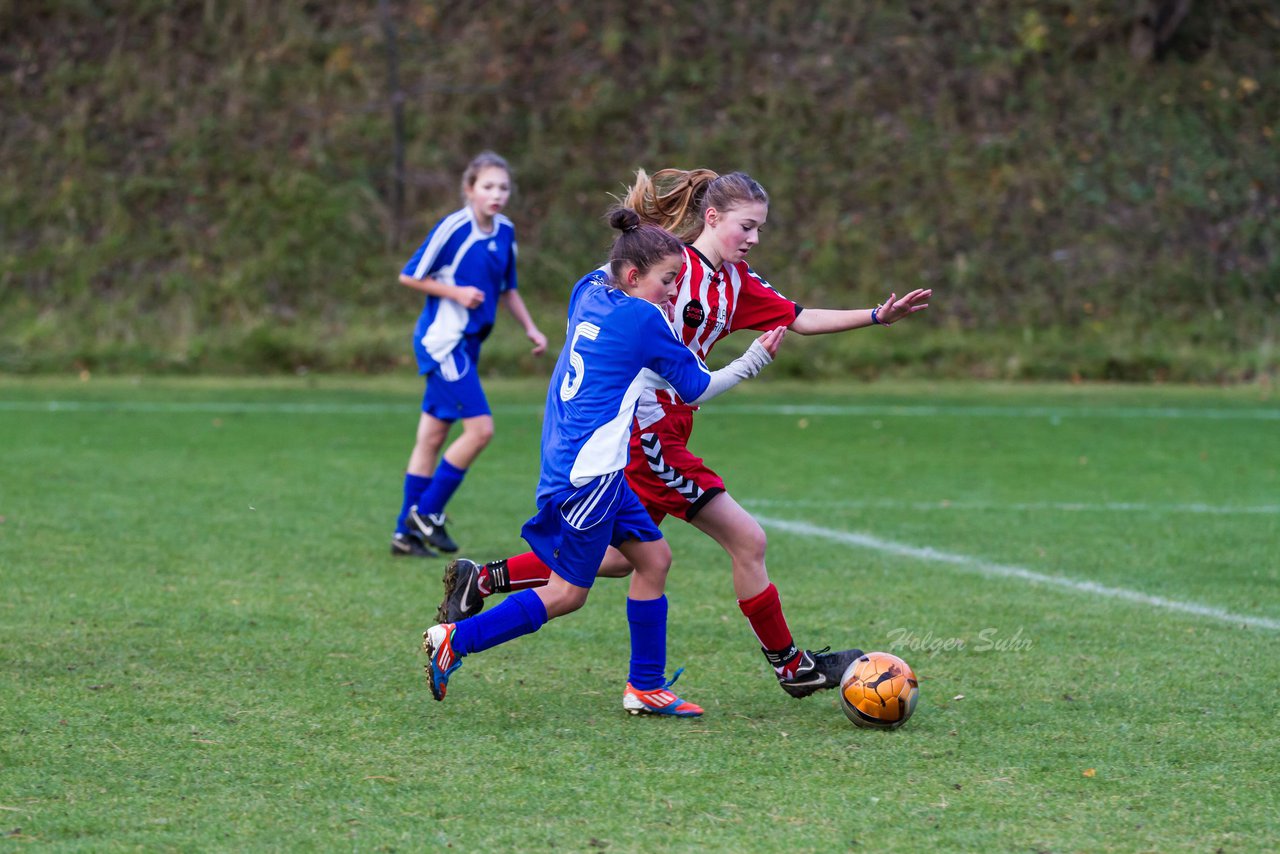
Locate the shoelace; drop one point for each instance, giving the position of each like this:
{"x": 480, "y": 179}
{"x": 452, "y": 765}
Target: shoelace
{"x": 673, "y": 679}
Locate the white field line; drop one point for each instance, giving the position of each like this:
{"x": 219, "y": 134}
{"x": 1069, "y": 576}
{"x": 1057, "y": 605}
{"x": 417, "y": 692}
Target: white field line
{"x": 998, "y": 570}
{"x": 1054, "y": 506}
{"x": 229, "y": 407}
{"x": 1052, "y": 413}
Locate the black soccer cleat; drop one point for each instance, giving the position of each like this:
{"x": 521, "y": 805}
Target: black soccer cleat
{"x": 818, "y": 671}
{"x": 431, "y": 527}
{"x": 410, "y": 545}
{"x": 462, "y": 597}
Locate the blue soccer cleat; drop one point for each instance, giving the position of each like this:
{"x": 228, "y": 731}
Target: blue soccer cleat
{"x": 437, "y": 643}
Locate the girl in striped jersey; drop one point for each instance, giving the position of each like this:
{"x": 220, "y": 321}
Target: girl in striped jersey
{"x": 466, "y": 267}
{"x": 720, "y": 218}
{"x": 620, "y": 344}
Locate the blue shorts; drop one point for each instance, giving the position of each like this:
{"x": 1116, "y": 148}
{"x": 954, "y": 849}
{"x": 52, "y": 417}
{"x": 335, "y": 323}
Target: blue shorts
{"x": 573, "y": 528}
{"x": 453, "y": 389}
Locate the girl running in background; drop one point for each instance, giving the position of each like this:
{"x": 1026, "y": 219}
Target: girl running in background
{"x": 720, "y": 218}
{"x": 619, "y": 344}
{"x": 466, "y": 267}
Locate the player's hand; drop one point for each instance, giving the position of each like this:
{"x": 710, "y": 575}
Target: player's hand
{"x": 772, "y": 340}
{"x": 894, "y": 309}
{"x": 539, "y": 341}
{"x": 467, "y": 297}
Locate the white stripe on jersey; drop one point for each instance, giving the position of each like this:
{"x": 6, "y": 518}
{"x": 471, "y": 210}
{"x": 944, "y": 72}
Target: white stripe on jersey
{"x": 606, "y": 450}
{"x": 445, "y": 273}
{"x": 451, "y": 318}
{"x": 714, "y": 327}
{"x": 444, "y": 333}
{"x": 448, "y": 226}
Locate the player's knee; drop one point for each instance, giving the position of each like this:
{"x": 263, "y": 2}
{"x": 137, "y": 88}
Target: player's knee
{"x": 750, "y": 545}
{"x": 614, "y": 565}
{"x": 481, "y": 434}
{"x": 430, "y": 438}
{"x": 566, "y": 599}
{"x": 655, "y": 561}
{"x": 427, "y": 446}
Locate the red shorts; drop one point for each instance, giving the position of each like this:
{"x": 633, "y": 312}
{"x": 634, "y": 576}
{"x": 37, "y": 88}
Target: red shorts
{"x": 667, "y": 477}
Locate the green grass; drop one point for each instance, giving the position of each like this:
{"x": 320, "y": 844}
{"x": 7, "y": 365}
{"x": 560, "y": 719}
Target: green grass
{"x": 204, "y": 645}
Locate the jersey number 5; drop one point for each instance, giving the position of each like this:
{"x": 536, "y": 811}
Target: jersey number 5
{"x": 577, "y": 368}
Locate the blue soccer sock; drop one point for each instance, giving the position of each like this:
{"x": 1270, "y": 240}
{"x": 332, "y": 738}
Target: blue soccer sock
{"x": 648, "y": 621}
{"x": 414, "y": 486}
{"x": 519, "y": 614}
{"x": 444, "y": 483}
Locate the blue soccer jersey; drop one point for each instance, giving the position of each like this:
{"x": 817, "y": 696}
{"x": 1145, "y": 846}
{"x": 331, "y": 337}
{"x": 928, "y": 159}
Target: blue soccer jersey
{"x": 617, "y": 346}
{"x": 457, "y": 252}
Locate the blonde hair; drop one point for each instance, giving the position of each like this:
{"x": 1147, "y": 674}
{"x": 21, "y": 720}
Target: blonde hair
{"x": 480, "y": 162}
{"x": 678, "y": 199}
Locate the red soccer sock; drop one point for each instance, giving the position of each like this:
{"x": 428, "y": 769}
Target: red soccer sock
{"x": 513, "y": 573}
{"x": 764, "y": 612}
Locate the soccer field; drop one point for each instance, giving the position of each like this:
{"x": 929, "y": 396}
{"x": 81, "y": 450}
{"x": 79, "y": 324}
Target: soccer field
{"x": 206, "y": 645}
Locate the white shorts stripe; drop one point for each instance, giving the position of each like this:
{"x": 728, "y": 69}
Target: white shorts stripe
{"x": 580, "y": 513}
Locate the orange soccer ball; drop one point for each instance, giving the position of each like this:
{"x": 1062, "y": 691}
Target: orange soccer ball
{"x": 878, "y": 691}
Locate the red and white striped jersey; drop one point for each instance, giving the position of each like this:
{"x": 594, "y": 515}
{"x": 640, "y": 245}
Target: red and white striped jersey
{"x": 710, "y": 304}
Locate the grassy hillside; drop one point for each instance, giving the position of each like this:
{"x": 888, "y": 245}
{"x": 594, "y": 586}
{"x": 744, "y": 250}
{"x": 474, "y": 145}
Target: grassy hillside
{"x": 198, "y": 186}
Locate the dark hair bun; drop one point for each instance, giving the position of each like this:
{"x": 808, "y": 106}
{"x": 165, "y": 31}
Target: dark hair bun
{"x": 624, "y": 219}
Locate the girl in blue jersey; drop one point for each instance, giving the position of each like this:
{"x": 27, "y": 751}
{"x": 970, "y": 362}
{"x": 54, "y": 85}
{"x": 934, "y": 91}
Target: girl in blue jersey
{"x": 721, "y": 217}
{"x": 619, "y": 343}
{"x": 466, "y": 267}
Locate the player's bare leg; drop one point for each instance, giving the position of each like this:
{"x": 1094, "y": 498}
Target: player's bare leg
{"x": 561, "y": 597}
{"x": 614, "y": 565}
{"x": 739, "y": 534}
{"x": 427, "y": 444}
{"x": 476, "y": 435}
{"x": 652, "y": 562}
{"x": 799, "y": 671}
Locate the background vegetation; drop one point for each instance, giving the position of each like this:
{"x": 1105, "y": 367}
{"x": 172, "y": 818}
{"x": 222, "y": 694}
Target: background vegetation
{"x": 212, "y": 186}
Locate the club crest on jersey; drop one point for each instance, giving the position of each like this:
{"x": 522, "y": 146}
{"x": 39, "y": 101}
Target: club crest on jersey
{"x": 694, "y": 314}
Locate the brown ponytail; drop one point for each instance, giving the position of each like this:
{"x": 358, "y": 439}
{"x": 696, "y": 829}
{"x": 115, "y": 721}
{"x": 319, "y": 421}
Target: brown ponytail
{"x": 677, "y": 200}
{"x": 639, "y": 244}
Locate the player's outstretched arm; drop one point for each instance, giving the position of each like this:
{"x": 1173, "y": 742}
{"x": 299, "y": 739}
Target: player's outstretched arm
{"x": 820, "y": 321}
{"x": 749, "y": 364}
{"x": 515, "y": 304}
{"x": 893, "y": 309}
